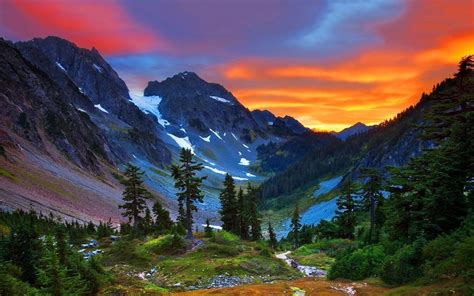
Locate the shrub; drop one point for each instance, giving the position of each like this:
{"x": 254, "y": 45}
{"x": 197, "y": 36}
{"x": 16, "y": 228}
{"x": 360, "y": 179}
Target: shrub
{"x": 405, "y": 265}
{"x": 224, "y": 237}
{"x": 359, "y": 264}
{"x": 166, "y": 244}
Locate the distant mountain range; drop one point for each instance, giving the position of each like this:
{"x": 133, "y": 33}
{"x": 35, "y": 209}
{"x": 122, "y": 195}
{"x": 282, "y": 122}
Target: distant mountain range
{"x": 355, "y": 129}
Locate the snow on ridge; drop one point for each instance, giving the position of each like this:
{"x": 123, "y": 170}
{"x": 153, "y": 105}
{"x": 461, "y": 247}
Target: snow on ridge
{"x": 207, "y": 139}
{"x": 250, "y": 175}
{"x": 217, "y": 134}
{"x": 234, "y": 137}
{"x": 98, "y": 106}
{"x": 217, "y": 171}
{"x": 60, "y": 66}
{"x": 240, "y": 178}
{"x": 209, "y": 162}
{"x": 149, "y": 104}
{"x": 244, "y": 161}
{"x": 219, "y": 99}
{"x": 182, "y": 142}
{"x": 97, "y": 68}
{"x": 82, "y": 110}
{"x": 245, "y": 146}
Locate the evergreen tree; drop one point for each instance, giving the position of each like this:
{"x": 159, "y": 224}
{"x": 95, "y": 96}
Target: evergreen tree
{"x": 295, "y": 227}
{"x": 272, "y": 236}
{"x": 134, "y": 194}
{"x": 228, "y": 212}
{"x": 345, "y": 214}
{"x": 147, "y": 222}
{"x": 188, "y": 185}
{"x": 371, "y": 195}
{"x": 25, "y": 250}
{"x": 252, "y": 213}
{"x": 242, "y": 214}
{"x": 163, "y": 222}
{"x": 208, "y": 229}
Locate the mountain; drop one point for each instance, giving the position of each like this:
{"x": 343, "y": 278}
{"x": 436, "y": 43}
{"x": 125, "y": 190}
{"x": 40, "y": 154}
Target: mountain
{"x": 355, "y": 129}
{"x": 82, "y": 124}
{"x": 54, "y": 158}
{"x": 93, "y": 86}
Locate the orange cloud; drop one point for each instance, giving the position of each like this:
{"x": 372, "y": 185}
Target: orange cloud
{"x": 369, "y": 86}
{"x": 102, "y": 24}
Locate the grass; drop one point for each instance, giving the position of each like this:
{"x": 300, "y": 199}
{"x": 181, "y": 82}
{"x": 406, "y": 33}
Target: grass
{"x": 224, "y": 253}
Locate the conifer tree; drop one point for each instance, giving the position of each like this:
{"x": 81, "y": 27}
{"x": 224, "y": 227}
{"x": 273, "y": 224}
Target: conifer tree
{"x": 163, "y": 222}
{"x": 228, "y": 212}
{"x": 147, "y": 221}
{"x": 295, "y": 227}
{"x": 371, "y": 195}
{"x": 252, "y": 213}
{"x": 188, "y": 185}
{"x": 134, "y": 194}
{"x": 272, "y": 236}
{"x": 208, "y": 229}
{"x": 242, "y": 214}
{"x": 345, "y": 214}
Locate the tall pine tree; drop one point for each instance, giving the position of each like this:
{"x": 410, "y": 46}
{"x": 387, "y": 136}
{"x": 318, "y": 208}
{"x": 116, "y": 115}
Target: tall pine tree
{"x": 272, "y": 236}
{"x": 243, "y": 218}
{"x": 228, "y": 212}
{"x": 371, "y": 196}
{"x": 345, "y": 214}
{"x": 134, "y": 194}
{"x": 295, "y": 227}
{"x": 252, "y": 214}
{"x": 188, "y": 184}
{"x": 163, "y": 222}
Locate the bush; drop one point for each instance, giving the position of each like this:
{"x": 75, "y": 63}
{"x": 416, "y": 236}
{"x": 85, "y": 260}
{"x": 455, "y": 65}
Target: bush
{"x": 359, "y": 264}
{"x": 166, "y": 244}
{"x": 224, "y": 237}
{"x": 405, "y": 265}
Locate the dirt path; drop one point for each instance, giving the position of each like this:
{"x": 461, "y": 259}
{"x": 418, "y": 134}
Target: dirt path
{"x": 310, "y": 286}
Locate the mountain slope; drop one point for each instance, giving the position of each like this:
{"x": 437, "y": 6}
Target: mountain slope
{"x": 355, "y": 129}
{"x": 93, "y": 86}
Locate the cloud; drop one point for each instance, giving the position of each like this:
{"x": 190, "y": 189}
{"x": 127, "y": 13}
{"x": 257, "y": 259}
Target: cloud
{"x": 102, "y": 24}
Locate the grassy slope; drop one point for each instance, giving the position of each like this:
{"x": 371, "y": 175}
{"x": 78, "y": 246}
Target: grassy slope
{"x": 221, "y": 256}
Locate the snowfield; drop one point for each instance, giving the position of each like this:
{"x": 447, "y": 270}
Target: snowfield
{"x": 219, "y": 99}
{"x": 182, "y": 142}
{"x": 149, "y": 105}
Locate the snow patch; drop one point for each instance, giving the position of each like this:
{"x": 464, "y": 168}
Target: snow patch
{"x": 239, "y": 178}
{"x": 234, "y": 137}
{"x": 217, "y": 134}
{"x": 240, "y": 153}
{"x": 244, "y": 161}
{"x": 219, "y": 99}
{"x": 149, "y": 104}
{"x": 246, "y": 146}
{"x": 182, "y": 142}
{"x": 250, "y": 175}
{"x": 207, "y": 139}
{"x": 98, "y": 106}
{"x": 60, "y": 66}
{"x": 81, "y": 90}
{"x": 82, "y": 110}
{"x": 217, "y": 171}
{"x": 97, "y": 68}
{"x": 213, "y": 226}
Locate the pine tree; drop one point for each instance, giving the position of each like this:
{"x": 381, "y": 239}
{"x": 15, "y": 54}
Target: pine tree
{"x": 345, "y": 214}
{"x": 208, "y": 229}
{"x": 188, "y": 185}
{"x": 371, "y": 195}
{"x": 272, "y": 236}
{"x": 147, "y": 221}
{"x": 163, "y": 222}
{"x": 134, "y": 194}
{"x": 295, "y": 227}
{"x": 252, "y": 214}
{"x": 242, "y": 214}
{"x": 229, "y": 209}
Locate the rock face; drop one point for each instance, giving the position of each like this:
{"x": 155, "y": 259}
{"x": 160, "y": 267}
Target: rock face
{"x": 191, "y": 102}
{"x": 35, "y": 108}
{"x": 92, "y": 85}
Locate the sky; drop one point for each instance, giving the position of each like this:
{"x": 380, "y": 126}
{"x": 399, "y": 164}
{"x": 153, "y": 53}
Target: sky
{"x": 328, "y": 63}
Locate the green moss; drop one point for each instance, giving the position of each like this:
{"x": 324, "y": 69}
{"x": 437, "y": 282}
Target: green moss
{"x": 7, "y": 174}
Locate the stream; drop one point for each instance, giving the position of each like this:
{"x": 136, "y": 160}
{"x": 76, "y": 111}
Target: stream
{"x": 305, "y": 269}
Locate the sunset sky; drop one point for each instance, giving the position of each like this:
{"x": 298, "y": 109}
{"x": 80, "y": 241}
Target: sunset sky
{"x": 327, "y": 63}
